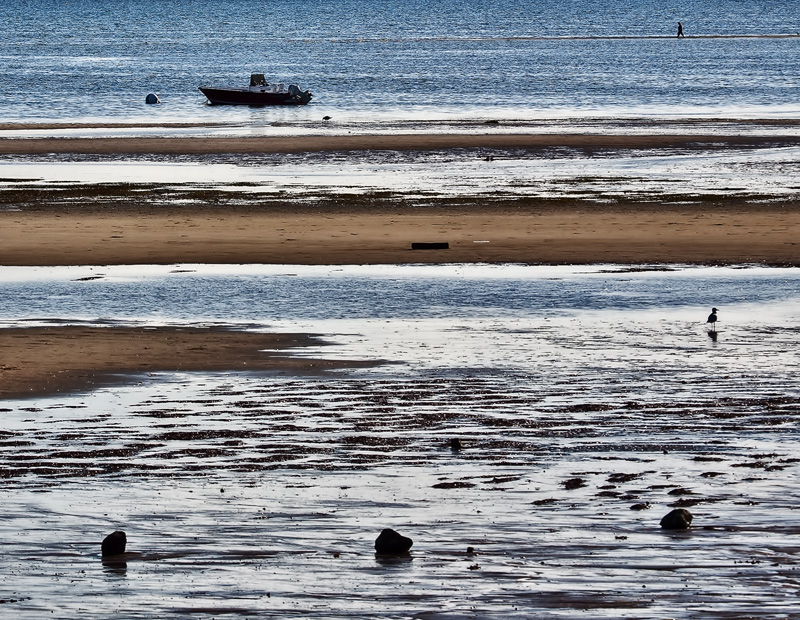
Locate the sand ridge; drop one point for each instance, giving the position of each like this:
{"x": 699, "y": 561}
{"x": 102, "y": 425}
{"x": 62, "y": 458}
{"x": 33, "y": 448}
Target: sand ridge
{"x": 528, "y": 232}
{"x": 400, "y": 142}
{"x": 48, "y": 360}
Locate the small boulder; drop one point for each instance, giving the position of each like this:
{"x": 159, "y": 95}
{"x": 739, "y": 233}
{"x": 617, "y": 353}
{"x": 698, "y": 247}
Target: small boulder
{"x": 391, "y": 543}
{"x": 678, "y": 519}
{"x": 114, "y": 544}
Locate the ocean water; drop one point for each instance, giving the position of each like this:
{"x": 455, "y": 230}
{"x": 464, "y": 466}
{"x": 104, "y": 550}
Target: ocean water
{"x": 402, "y": 60}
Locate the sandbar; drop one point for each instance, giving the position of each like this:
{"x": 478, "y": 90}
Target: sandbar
{"x": 198, "y": 145}
{"x": 47, "y": 360}
{"x": 527, "y": 231}
{"x": 146, "y": 226}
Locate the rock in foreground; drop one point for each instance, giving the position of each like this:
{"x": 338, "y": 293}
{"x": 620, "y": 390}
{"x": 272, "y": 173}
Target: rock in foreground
{"x": 391, "y": 543}
{"x": 678, "y": 519}
{"x": 114, "y": 544}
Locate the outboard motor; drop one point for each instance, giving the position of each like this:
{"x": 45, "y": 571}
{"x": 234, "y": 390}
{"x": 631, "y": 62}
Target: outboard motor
{"x": 300, "y": 97}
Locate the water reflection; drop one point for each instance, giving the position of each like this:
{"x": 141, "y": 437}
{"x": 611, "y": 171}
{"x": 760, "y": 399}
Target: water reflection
{"x": 399, "y": 560}
{"x": 115, "y": 566}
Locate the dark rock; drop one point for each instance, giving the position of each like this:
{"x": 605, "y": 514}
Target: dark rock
{"x": 678, "y": 519}
{"x": 114, "y": 544}
{"x": 642, "y": 506}
{"x": 686, "y": 503}
{"x": 680, "y": 491}
{"x": 455, "y": 444}
{"x": 616, "y": 478}
{"x": 574, "y": 483}
{"x": 391, "y": 543}
{"x": 458, "y": 484}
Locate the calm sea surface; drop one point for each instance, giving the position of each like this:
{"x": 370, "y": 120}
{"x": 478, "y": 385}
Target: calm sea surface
{"x": 400, "y": 60}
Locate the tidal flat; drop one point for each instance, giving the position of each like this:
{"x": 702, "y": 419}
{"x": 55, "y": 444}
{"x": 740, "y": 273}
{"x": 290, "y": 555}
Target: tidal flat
{"x": 588, "y": 401}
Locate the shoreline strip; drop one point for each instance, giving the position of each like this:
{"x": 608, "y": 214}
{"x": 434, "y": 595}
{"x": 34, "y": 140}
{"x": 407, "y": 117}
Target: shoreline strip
{"x": 390, "y": 142}
{"x": 530, "y": 232}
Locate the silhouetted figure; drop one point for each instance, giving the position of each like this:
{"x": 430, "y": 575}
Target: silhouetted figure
{"x": 680, "y": 31}
{"x": 712, "y": 319}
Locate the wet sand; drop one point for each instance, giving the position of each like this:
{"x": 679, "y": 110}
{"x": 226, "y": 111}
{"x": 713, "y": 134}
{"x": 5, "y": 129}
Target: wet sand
{"x": 524, "y": 231}
{"x": 394, "y": 142}
{"x": 150, "y": 224}
{"x": 48, "y": 360}
{"x": 93, "y": 225}
{"x": 263, "y": 496}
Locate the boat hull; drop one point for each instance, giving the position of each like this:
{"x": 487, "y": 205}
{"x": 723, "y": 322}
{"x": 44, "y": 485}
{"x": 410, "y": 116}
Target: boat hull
{"x": 242, "y": 96}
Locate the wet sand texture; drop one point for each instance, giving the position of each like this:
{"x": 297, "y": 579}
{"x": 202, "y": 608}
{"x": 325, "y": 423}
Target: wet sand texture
{"x": 262, "y": 497}
{"x": 395, "y": 142}
{"x": 261, "y": 494}
{"x": 530, "y": 233}
{"x": 46, "y": 360}
{"x": 146, "y": 227}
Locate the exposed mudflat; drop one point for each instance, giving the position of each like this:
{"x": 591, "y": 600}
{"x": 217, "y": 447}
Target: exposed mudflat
{"x": 588, "y": 404}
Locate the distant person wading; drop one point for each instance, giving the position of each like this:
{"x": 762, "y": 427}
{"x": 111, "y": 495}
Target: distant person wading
{"x": 680, "y": 31}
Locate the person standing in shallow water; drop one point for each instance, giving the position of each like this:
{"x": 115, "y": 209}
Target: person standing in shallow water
{"x": 680, "y": 31}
